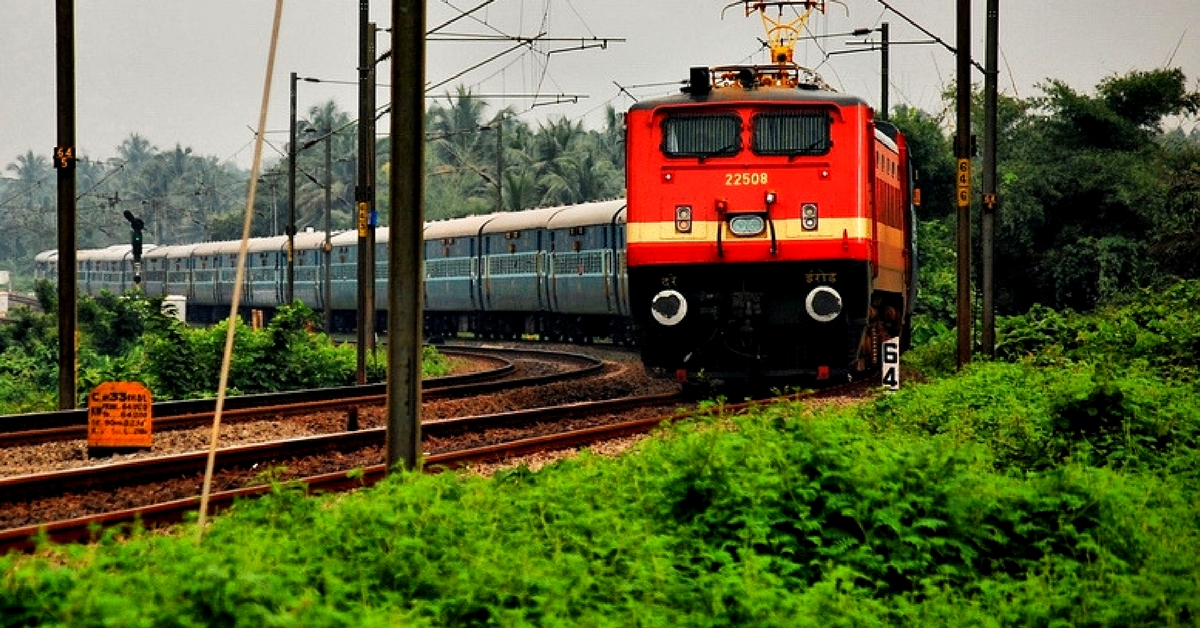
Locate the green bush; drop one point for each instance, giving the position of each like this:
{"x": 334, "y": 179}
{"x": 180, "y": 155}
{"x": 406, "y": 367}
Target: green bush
{"x": 782, "y": 518}
{"x": 1155, "y": 328}
{"x": 127, "y": 338}
{"x": 1037, "y": 418}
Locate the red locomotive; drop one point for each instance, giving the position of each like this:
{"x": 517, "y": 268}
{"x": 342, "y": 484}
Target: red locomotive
{"x": 769, "y": 225}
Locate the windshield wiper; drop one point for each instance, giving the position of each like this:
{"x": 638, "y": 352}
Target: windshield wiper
{"x": 816, "y": 147}
{"x": 728, "y": 150}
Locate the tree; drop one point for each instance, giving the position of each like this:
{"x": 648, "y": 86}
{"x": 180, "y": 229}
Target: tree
{"x": 27, "y": 211}
{"x": 1086, "y": 192}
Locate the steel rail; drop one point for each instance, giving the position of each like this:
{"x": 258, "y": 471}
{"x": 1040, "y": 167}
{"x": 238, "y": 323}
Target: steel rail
{"x": 83, "y": 528}
{"x": 149, "y": 470}
{"x": 87, "y": 528}
{"x": 186, "y": 414}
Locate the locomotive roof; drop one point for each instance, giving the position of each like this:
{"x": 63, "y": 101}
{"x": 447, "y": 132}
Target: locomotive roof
{"x": 737, "y": 95}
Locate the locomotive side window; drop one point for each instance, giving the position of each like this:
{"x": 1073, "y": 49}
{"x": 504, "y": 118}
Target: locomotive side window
{"x": 702, "y": 136}
{"x": 792, "y": 133}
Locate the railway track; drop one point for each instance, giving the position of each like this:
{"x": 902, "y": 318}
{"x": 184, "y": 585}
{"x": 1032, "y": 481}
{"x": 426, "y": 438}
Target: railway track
{"x": 508, "y": 368}
{"x": 94, "y": 491}
{"x": 72, "y": 504}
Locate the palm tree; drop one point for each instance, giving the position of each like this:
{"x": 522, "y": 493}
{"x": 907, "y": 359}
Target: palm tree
{"x": 135, "y": 151}
{"x": 28, "y": 219}
{"x": 325, "y": 123}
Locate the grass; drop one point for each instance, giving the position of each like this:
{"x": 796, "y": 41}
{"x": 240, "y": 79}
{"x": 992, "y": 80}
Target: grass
{"x": 788, "y": 517}
{"x": 1055, "y": 490}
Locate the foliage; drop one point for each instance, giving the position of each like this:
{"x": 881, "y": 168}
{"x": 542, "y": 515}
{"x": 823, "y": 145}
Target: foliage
{"x": 113, "y": 324}
{"x": 785, "y": 517}
{"x": 28, "y": 353}
{"x": 937, "y": 276}
{"x": 558, "y": 163}
{"x": 933, "y": 159}
{"x": 127, "y": 338}
{"x": 284, "y": 356}
{"x": 1093, "y": 196}
{"x": 1153, "y": 329}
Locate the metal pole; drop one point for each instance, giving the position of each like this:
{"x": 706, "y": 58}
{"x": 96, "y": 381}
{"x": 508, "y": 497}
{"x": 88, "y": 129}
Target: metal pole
{"x": 362, "y": 190}
{"x": 328, "y": 248}
{"x": 990, "y": 200}
{"x": 963, "y": 151}
{"x": 500, "y": 164}
{"x": 885, "y": 84}
{"x": 404, "y": 244}
{"x": 372, "y": 209}
{"x": 64, "y": 161}
{"x": 291, "y": 226}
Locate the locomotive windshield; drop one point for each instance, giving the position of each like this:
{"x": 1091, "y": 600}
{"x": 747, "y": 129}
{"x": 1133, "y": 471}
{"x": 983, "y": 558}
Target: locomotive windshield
{"x": 791, "y": 133}
{"x": 702, "y": 135}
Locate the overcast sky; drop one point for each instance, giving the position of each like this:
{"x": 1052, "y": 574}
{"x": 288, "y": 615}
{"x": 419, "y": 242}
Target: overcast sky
{"x": 191, "y": 71}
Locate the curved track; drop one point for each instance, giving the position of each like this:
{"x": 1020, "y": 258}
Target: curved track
{"x": 28, "y": 429}
{"x": 24, "y": 492}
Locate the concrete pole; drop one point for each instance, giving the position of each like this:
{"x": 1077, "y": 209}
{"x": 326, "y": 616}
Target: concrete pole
{"x": 990, "y": 200}
{"x": 963, "y": 152}
{"x": 291, "y": 224}
{"x": 64, "y": 162}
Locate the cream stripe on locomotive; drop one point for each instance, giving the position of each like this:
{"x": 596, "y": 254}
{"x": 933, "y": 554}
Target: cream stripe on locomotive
{"x": 891, "y": 240}
{"x": 785, "y": 229}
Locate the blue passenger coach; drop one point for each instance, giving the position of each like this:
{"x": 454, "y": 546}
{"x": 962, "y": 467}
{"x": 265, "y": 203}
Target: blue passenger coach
{"x": 555, "y": 273}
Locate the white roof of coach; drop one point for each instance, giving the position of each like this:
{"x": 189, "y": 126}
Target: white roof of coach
{"x": 599, "y": 213}
{"x": 306, "y": 240}
{"x": 456, "y": 227}
{"x": 114, "y": 253}
{"x": 517, "y": 221}
{"x": 345, "y": 238}
{"x": 220, "y": 247}
{"x": 269, "y": 243}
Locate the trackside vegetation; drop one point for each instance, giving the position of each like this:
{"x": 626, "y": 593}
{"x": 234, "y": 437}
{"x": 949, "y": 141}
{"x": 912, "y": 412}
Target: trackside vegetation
{"x": 1055, "y": 487}
{"x": 128, "y": 338}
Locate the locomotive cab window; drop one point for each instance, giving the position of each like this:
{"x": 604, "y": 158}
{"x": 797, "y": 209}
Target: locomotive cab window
{"x": 702, "y": 136}
{"x": 792, "y": 133}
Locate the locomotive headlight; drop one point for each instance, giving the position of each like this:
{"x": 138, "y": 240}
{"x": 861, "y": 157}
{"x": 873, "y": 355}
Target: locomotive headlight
{"x": 747, "y": 225}
{"x": 668, "y": 307}
{"x": 683, "y": 218}
{"x": 808, "y": 216}
{"x": 823, "y": 304}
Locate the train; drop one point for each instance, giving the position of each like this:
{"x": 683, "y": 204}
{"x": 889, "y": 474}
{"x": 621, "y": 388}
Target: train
{"x": 766, "y": 237}
{"x": 554, "y": 273}
{"x": 769, "y": 223}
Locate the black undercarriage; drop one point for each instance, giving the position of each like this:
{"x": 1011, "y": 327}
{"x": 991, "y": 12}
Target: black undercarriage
{"x": 755, "y": 323}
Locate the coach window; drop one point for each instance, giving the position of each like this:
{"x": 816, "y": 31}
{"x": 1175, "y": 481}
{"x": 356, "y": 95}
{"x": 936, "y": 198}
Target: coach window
{"x": 702, "y": 136}
{"x": 792, "y": 133}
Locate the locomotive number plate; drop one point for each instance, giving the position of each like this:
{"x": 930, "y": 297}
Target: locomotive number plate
{"x": 738, "y": 179}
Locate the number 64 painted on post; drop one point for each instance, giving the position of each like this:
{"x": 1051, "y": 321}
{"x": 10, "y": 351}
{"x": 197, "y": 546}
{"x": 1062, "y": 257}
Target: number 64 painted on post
{"x": 891, "y": 363}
